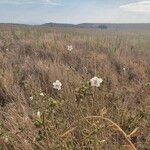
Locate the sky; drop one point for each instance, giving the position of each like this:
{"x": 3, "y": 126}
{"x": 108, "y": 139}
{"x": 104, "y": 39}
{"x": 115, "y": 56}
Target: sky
{"x": 74, "y": 11}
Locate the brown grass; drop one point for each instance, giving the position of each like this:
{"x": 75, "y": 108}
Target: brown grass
{"x": 36, "y": 57}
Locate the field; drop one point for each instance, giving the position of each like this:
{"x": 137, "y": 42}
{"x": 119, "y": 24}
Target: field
{"x": 35, "y": 116}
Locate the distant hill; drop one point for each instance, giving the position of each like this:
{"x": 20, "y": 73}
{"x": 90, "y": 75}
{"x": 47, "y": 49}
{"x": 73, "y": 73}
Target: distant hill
{"x": 82, "y": 25}
{"x": 13, "y": 24}
{"x": 58, "y": 25}
{"x": 102, "y": 25}
{"x": 117, "y": 26}
{"x": 145, "y": 26}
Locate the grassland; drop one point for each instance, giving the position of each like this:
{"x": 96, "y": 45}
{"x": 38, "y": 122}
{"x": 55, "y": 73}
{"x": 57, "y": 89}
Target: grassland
{"x": 34, "y": 116}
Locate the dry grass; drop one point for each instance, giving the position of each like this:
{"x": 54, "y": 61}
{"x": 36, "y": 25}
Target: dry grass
{"x": 32, "y": 58}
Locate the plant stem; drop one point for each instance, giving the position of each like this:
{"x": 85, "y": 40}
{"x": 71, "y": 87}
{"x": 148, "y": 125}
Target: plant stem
{"x": 108, "y": 120}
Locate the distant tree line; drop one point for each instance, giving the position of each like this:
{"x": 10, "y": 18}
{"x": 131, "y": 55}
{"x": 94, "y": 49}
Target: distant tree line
{"x": 102, "y": 26}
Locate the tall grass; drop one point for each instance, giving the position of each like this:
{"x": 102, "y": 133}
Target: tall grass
{"x": 113, "y": 116}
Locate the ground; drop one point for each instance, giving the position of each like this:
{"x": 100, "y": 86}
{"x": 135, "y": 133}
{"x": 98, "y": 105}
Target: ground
{"x": 34, "y": 115}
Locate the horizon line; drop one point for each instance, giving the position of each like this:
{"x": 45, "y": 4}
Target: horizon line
{"x": 75, "y": 23}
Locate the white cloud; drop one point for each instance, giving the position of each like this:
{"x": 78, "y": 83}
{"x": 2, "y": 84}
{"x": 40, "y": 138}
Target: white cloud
{"x": 22, "y": 2}
{"x": 141, "y": 7}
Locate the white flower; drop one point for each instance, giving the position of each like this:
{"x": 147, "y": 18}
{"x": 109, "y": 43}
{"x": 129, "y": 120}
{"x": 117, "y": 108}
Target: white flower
{"x": 96, "y": 81}
{"x": 31, "y": 98}
{"x": 124, "y": 69}
{"x": 41, "y": 94}
{"x": 57, "y": 85}
{"x": 70, "y": 48}
{"x": 7, "y": 49}
{"x": 39, "y": 114}
{"x": 6, "y": 139}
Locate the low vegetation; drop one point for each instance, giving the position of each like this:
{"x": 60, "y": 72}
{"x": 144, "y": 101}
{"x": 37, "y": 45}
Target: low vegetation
{"x": 71, "y": 88}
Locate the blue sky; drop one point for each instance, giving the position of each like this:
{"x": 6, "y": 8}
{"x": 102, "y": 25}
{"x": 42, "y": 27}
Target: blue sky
{"x": 74, "y": 11}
